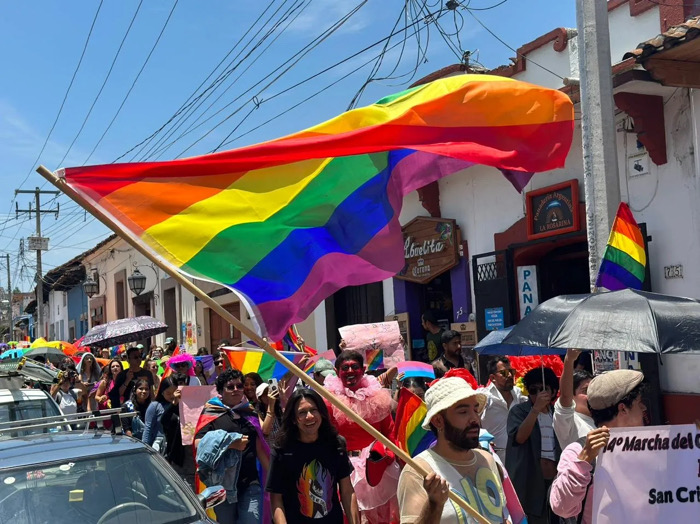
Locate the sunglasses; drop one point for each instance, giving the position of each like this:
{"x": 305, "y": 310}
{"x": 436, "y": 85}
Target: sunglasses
{"x": 350, "y": 367}
{"x": 218, "y": 362}
{"x": 233, "y": 387}
{"x": 506, "y": 373}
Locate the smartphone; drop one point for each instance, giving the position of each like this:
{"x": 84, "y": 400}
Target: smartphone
{"x": 273, "y": 384}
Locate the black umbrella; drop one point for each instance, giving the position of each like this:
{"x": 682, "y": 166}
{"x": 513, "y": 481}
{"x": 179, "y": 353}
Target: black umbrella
{"x": 123, "y": 331}
{"x": 50, "y": 354}
{"x": 627, "y": 320}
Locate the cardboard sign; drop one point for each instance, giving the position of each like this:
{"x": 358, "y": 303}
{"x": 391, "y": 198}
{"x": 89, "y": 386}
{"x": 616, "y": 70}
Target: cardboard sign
{"x": 192, "y": 402}
{"x": 648, "y": 474}
{"x": 467, "y": 331}
{"x": 371, "y": 337}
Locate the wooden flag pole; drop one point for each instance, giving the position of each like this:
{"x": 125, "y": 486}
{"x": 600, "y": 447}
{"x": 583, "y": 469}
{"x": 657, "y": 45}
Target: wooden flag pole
{"x": 134, "y": 242}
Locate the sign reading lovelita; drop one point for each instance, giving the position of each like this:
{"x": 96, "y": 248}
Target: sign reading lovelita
{"x": 368, "y": 338}
{"x": 648, "y": 474}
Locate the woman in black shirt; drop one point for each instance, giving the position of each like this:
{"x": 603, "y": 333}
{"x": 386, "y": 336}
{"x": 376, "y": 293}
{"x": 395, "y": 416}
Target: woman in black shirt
{"x": 309, "y": 465}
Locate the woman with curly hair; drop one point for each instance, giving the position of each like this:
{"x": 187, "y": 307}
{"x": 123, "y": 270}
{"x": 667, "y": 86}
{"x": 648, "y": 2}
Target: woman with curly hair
{"x": 309, "y": 465}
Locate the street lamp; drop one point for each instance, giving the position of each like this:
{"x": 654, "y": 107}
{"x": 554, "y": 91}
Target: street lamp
{"x": 137, "y": 282}
{"x": 91, "y": 287}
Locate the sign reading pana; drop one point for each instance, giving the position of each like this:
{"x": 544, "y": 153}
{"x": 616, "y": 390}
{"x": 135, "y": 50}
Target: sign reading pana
{"x": 431, "y": 247}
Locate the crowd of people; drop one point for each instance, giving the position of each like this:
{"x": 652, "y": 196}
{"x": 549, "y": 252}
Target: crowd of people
{"x": 286, "y": 455}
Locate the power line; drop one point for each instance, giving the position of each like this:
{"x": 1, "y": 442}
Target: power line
{"x": 60, "y": 109}
{"x": 126, "y": 97}
{"x": 159, "y": 149}
{"x": 187, "y": 102}
{"x": 316, "y": 42}
{"x": 111, "y": 67}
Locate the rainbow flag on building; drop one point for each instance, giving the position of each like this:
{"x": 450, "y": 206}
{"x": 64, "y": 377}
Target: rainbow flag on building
{"x": 286, "y": 223}
{"x": 624, "y": 261}
{"x": 258, "y": 361}
{"x": 408, "y": 433}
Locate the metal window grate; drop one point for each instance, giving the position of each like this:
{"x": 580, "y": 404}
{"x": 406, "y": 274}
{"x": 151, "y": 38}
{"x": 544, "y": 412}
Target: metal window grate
{"x": 490, "y": 271}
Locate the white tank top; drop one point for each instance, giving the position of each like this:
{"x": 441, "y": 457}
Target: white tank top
{"x": 481, "y": 489}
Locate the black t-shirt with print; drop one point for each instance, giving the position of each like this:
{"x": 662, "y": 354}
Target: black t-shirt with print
{"x": 307, "y": 476}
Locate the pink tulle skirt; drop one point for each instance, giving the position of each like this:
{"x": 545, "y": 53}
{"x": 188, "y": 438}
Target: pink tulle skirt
{"x": 378, "y": 504}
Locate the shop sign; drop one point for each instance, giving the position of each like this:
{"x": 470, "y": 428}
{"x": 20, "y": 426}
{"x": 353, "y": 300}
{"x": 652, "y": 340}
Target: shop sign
{"x": 467, "y": 333}
{"x": 527, "y": 289}
{"x": 552, "y": 210}
{"x": 494, "y": 318}
{"x": 431, "y": 247}
{"x": 605, "y": 360}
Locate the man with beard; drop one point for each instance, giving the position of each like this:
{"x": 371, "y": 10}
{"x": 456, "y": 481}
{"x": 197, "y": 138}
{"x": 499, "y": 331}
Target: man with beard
{"x": 454, "y": 463}
{"x": 451, "y": 356}
{"x": 501, "y": 396}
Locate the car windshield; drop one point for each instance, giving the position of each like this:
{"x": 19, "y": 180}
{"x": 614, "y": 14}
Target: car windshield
{"x": 129, "y": 488}
{"x": 25, "y": 409}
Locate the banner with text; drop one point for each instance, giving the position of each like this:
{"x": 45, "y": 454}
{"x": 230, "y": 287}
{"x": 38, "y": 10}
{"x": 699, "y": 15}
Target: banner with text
{"x": 648, "y": 474}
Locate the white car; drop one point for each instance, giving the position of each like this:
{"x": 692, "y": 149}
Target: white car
{"x": 24, "y": 404}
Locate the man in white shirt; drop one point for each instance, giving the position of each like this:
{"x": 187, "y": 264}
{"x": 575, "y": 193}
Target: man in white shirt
{"x": 572, "y": 420}
{"x": 501, "y": 395}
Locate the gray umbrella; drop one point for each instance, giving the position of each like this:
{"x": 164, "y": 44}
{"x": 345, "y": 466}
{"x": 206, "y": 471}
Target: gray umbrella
{"x": 123, "y": 331}
{"x": 627, "y": 320}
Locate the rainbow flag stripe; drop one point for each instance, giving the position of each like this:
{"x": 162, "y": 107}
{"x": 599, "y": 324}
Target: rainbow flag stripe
{"x": 288, "y": 222}
{"x": 408, "y": 433}
{"x": 374, "y": 359}
{"x": 258, "y": 361}
{"x": 624, "y": 261}
{"x": 412, "y": 368}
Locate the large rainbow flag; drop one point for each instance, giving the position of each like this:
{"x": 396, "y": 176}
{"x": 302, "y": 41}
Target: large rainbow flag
{"x": 260, "y": 362}
{"x": 408, "y": 433}
{"x": 288, "y": 222}
{"x": 624, "y": 261}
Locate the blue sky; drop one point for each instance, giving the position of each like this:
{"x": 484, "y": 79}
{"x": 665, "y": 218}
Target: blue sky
{"x": 43, "y": 40}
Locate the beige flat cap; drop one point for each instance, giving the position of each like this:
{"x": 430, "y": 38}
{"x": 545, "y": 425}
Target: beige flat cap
{"x": 608, "y": 389}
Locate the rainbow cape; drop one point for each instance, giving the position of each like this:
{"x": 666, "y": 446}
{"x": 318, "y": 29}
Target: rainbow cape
{"x": 408, "y": 433}
{"x": 624, "y": 261}
{"x": 258, "y": 361}
{"x": 286, "y": 223}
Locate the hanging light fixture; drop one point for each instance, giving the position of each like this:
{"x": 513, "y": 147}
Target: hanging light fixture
{"x": 137, "y": 282}
{"x": 91, "y": 287}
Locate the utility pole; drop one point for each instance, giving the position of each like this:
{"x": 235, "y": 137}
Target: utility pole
{"x": 9, "y": 299}
{"x": 600, "y": 172}
{"x": 39, "y": 244}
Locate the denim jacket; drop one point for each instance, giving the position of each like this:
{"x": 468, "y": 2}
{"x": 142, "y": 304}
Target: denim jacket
{"x": 217, "y": 464}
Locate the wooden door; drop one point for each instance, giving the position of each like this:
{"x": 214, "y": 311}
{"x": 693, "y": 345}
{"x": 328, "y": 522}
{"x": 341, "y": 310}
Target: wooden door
{"x": 220, "y": 329}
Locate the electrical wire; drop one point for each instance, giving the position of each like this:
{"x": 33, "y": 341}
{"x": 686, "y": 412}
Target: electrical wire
{"x": 153, "y": 152}
{"x": 60, "y": 109}
{"x": 190, "y": 99}
{"x": 315, "y": 43}
{"x": 133, "y": 84}
{"x": 520, "y": 55}
{"x": 97, "y": 97}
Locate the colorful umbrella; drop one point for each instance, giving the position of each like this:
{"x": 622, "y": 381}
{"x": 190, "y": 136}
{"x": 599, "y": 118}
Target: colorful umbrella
{"x": 123, "y": 331}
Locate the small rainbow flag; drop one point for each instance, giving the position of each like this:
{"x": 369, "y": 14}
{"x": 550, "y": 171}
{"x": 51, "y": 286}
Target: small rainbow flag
{"x": 624, "y": 262}
{"x": 408, "y": 433}
{"x": 258, "y": 361}
{"x": 374, "y": 359}
{"x": 286, "y": 223}
{"x": 412, "y": 368}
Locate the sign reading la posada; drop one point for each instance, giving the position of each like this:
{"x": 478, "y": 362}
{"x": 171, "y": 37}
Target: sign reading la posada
{"x": 431, "y": 247}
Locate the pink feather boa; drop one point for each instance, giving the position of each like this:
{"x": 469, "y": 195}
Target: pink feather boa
{"x": 371, "y": 401}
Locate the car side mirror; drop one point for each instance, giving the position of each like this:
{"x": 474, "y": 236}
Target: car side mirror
{"x": 212, "y": 496}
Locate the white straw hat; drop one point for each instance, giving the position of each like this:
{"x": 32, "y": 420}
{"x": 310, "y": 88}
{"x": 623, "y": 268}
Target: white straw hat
{"x": 445, "y": 393}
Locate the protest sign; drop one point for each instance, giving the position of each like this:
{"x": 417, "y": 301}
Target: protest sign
{"x": 371, "y": 337}
{"x": 192, "y": 400}
{"x": 648, "y": 474}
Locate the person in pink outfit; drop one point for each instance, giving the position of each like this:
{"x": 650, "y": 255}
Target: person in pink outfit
{"x": 615, "y": 401}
